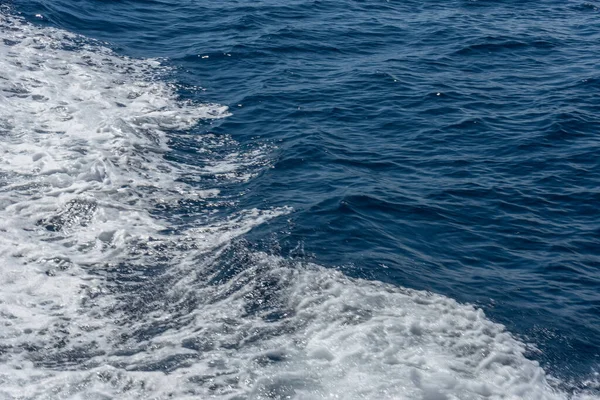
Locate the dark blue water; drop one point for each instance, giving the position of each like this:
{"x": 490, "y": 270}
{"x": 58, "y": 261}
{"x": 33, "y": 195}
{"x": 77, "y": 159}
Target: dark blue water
{"x": 451, "y": 146}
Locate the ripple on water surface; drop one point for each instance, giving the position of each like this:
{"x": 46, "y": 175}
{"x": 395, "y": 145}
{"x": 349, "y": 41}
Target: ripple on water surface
{"x": 449, "y": 147}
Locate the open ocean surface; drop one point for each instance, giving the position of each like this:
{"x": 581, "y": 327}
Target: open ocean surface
{"x": 299, "y": 199}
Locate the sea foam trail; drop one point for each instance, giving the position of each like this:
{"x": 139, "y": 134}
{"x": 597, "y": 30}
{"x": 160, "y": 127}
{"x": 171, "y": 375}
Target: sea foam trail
{"x": 101, "y": 297}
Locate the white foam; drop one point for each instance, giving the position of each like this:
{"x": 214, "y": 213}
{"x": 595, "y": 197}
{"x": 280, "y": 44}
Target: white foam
{"x": 83, "y": 136}
{"x": 98, "y": 302}
{"x": 332, "y": 337}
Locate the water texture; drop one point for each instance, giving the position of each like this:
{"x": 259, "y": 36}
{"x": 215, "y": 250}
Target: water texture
{"x": 301, "y": 199}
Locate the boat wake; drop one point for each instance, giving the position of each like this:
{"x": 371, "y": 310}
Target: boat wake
{"x": 104, "y": 295}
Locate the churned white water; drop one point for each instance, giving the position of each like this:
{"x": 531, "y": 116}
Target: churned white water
{"x": 101, "y": 297}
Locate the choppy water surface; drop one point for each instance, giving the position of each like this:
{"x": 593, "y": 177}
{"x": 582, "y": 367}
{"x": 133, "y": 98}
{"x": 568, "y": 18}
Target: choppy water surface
{"x": 302, "y": 199}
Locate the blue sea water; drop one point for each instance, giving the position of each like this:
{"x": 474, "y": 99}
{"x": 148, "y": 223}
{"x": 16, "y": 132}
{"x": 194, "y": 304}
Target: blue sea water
{"x": 445, "y": 146}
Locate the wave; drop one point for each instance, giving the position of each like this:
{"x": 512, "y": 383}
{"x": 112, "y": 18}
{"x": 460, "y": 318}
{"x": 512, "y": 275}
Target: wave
{"x": 104, "y": 296}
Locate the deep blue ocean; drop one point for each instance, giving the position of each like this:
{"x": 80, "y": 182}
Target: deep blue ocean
{"x": 383, "y": 171}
